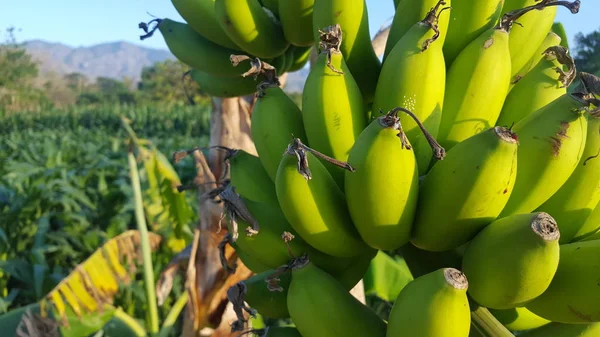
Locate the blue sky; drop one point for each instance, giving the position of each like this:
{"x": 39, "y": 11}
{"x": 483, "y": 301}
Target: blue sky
{"x": 88, "y": 22}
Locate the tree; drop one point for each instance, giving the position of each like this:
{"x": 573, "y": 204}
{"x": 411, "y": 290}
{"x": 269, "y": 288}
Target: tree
{"x": 76, "y": 81}
{"x": 16, "y": 66}
{"x": 587, "y": 48}
{"x": 162, "y": 82}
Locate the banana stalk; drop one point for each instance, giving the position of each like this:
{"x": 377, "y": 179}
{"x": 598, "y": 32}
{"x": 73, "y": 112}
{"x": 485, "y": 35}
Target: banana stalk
{"x": 333, "y": 110}
{"x": 408, "y": 13}
{"x": 432, "y": 305}
{"x": 573, "y": 295}
{"x": 546, "y": 82}
{"x": 356, "y": 48}
{"x": 314, "y": 204}
{"x": 479, "y": 78}
{"x": 201, "y": 16}
{"x": 466, "y": 191}
{"x": 551, "y": 143}
{"x": 250, "y": 27}
{"x": 414, "y": 76}
{"x": 382, "y": 192}
{"x": 513, "y": 260}
{"x": 468, "y": 20}
{"x": 573, "y": 203}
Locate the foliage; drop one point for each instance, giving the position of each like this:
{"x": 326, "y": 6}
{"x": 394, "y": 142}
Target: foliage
{"x": 163, "y": 82}
{"x": 587, "y": 49}
{"x": 65, "y": 190}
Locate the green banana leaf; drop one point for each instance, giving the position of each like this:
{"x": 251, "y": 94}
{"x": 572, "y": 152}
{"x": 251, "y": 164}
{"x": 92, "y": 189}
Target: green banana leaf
{"x": 386, "y": 277}
{"x": 10, "y": 321}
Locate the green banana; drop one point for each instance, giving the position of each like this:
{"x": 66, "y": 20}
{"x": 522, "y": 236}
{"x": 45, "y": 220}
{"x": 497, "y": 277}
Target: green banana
{"x": 192, "y": 49}
{"x": 575, "y": 200}
{"x": 591, "y": 227}
{"x": 301, "y": 58}
{"x": 396, "y": 2}
{"x": 276, "y": 332}
{"x": 382, "y": 193}
{"x": 432, "y": 305}
{"x": 289, "y": 58}
{"x": 527, "y": 36}
{"x": 408, "y": 13}
{"x": 478, "y": 81}
{"x": 314, "y": 205}
{"x": 573, "y": 295}
{"x": 513, "y": 260}
{"x": 468, "y": 20}
{"x": 333, "y": 110}
{"x": 551, "y": 40}
{"x": 466, "y": 191}
{"x": 251, "y": 28}
{"x": 275, "y": 119}
{"x": 200, "y": 15}
{"x": 543, "y": 84}
{"x": 268, "y": 303}
{"x": 356, "y": 47}
{"x": 296, "y": 20}
{"x": 551, "y": 143}
{"x": 321, "y": 307}
{"x": 519, "y": 319}
{"x": 414, "y": 76}
{"x": 248, "y": 260}
{"x": 249, "y": 177}
{"x": 223, "y": 86}
{"x": 565, "y": 330}
{"x": 559, "y": 30}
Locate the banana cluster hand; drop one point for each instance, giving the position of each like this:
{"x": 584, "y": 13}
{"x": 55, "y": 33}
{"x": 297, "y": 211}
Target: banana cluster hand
{"x": 468, "y": 140}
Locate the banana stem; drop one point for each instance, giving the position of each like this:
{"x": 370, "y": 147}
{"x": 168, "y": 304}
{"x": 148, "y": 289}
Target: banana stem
{"x": 438, "y": 151}
{"x": 508, "y": 19}
{"x": 235, "y": 295}
{"x": 258, "y": 67}
{"x": 330, "y": 42}
{"x": 226, "y": 240}
{"x": 236, "y": 209}
{"x": 431, "y": 20}
{"x": 487, "y": 325}
{"x": 562, "y": 56}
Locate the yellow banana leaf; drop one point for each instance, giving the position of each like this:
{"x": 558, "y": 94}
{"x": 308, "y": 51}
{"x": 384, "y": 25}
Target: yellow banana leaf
{"x": 92, "y": 285}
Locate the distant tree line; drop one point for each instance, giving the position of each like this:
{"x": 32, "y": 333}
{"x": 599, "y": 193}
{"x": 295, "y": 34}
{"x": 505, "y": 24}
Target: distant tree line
{"x": 23, "y": 88}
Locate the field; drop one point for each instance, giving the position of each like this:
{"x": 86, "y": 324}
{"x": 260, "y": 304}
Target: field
{"x": 65, "y": 189}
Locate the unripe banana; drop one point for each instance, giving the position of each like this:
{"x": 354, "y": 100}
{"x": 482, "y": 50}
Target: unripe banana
{"x": 551, "y": 40}
{"x": 551, "y": 142}
{"x": 527, "y": 36}
{"x": 251, "y": 28}
{"x": 194, "y": 50}
{"x": 513, "y": 260}
{"x": 275, "y": 120}
{"x": 321, "y": 307}
{"x": 565, "y": 330}
{"x": 200, "y": 15}
{"x": 333, "y": 110}
{"x": 478, "y": 81}
{"x": 382, "y": 193}
{"x": 468, "y": 20}
{"x": 543, "y": 84}
{"x": 519, "y": 319}
{"x": 249, "y": 261}
{"x": 396, "y": 2}
{"x": 270, "y": 304}
{"x": 559, "y": 30}
{"x": 289, "y": 58}
{"x": 574, "y": 294}
{"x": 314, "y": 204}
{"x": 301, "y": 57}
{"x": 414, "y": 76}
{"x": 591, "y": 227}
{"x": 296, "y": 20}
{"x": 408, "y": 13}
{"x": 466, "y": 191}
{"x": 575, "y": 200}
{"x": 433, "y": 305}
{"x": 356, "y": 48}
{"x": 223, "y": 86}
{"x": 250, "y": 179}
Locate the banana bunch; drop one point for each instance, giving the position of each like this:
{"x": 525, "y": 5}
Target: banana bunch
{"x": 468, "y": 143}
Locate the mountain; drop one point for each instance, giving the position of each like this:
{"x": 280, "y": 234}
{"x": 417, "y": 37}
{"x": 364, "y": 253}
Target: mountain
{"x": 115, "y": 60}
